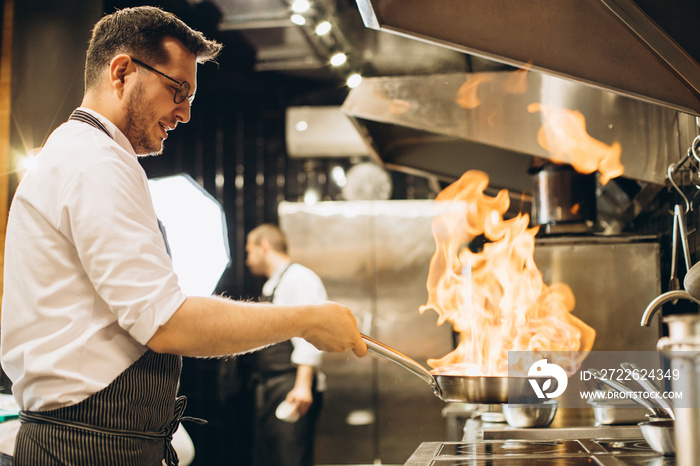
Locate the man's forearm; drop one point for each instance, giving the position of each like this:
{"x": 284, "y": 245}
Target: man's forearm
{"x": 212, "y": 326}
{"x": 305, "y": 377}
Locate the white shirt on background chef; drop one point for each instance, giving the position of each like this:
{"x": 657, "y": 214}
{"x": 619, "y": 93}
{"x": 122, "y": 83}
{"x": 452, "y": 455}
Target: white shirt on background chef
{"x": 299, "y": 285}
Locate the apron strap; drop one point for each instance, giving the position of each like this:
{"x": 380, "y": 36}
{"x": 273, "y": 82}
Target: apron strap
{"x": 269, "y": 298}
{"x": 85, "y": 117}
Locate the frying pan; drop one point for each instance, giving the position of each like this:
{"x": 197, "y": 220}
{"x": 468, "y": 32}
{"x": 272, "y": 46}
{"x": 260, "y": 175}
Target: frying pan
{"x": 660, "y": 435}
{"x": 651, "y": 388}
{"x": 650, "y": 404}
{"x": 458, "y": 388}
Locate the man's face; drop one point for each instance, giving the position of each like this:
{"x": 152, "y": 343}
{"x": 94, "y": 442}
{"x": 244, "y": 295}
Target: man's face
{"x": 150, "y": 108}
{"x": 255, "y": 257}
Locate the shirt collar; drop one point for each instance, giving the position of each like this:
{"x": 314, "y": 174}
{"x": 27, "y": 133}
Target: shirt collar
{"x": 115, "y": 132}
{"x": 274, "y": 279}
{"x": 277, "y": 274}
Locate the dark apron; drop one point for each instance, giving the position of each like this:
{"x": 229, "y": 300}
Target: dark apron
{"x": 276, "y": 359}
{"x": 130, "y": 422}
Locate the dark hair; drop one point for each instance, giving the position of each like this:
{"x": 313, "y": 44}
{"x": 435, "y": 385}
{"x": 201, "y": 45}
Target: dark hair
{"x": 272, "y": 233}
{"x": 140, "y": 32}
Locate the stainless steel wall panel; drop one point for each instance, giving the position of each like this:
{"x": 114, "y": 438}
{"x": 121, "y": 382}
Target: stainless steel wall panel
{"x": 613, "y": 280}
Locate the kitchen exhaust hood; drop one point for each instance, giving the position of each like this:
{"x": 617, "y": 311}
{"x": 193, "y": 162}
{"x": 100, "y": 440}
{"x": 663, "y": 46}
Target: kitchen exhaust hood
{"x": 607, "y": 59}
{"x": 613, "y": 44}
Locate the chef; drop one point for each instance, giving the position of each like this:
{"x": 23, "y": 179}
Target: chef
{"x": 287, "y": 381}
{"x": 94, "y": 323}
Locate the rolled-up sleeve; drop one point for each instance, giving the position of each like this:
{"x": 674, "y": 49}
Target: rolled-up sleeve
{"x": 305, "y": 354}
{"x": 115, "y": 232}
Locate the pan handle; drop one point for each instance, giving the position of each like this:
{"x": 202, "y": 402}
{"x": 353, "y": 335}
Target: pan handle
{"x": 650, "y": 387}
{"x": 387, "y": 352}
{"x": 624, "y": 389}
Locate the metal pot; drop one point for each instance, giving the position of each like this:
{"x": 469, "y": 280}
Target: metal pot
{"x": 682, "y": 346}
{"x": 457, "y": 388}
{"x": 659, "y": 435}
{"x": 530, "y": 415}
{"x": 564, "y": 200}
{"x": 613, "y": 412}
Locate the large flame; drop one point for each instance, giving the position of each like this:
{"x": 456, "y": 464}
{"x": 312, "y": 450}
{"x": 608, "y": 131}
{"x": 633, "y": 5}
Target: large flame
{"x": 564, "y": 136}
{"x": 494, "y": 298}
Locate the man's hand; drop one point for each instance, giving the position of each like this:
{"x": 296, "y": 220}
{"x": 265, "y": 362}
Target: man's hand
{"x": 333, "y": 328}
{"x": 301, "y": 398}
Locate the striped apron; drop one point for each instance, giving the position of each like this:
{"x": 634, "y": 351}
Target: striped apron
{"x": 129, "y": 422}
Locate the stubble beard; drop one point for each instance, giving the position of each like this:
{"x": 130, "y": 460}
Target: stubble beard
{"x": 137, "y": 123}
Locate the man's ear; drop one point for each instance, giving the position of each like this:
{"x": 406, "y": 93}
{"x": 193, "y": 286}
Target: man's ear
{"x": 119, "y": 69}
{"x": 265, "y": 244}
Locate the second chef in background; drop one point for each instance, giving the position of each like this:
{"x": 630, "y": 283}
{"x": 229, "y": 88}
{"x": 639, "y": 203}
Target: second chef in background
{"x": 288, "y": 387}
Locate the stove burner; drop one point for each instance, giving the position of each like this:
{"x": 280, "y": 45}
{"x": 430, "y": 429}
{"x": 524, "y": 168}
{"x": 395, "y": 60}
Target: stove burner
{"x": 602, "y": 452}
{"x": 512, "y": 448}
{"x": 572, "y": 461}
{"x": 524, "y": 461}
{"x": 627, "y": 446}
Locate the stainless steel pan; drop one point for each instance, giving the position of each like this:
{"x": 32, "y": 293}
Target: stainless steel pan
{"x": 456, "y": 388}
{"x": 655, "y": 409}
{"x": 651, "y": 388}
{"x": 660, "y": 435}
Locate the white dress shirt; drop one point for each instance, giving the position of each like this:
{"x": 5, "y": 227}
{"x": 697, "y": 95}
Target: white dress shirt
{"x": 299, "y": 285}
{"x": 87, "y": 277}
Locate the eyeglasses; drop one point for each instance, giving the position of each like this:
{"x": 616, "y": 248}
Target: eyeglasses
{"x": 182, "y": 91}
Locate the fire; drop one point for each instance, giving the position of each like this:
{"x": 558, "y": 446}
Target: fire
{"x": 564, "y": 136}
{"x": 399, "y": 107}
{"x": 515, "y": 83}
{"x": 563, "y": 133}
{"x": 467, "y": 92}
{"x": 494, "y": 298}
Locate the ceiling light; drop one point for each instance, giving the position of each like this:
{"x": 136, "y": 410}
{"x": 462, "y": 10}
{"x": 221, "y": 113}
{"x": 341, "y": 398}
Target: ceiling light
{"x": 354, "y": 80}
{"x": 298, "y": 20}
{"x": 301, "y": 126}
{"x": 311, "y": 196}
{"x": 338, "y": 59}
{"x": 338, "y": 175}
{"x": 300, "y": 6}
{"x": 323, "y": 28}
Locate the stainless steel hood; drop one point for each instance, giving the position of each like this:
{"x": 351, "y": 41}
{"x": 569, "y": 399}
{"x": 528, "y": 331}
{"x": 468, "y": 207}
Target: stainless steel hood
{"x": 431, "y": 134}
{"x": 606, "y": 59}
{"x": 618, "y": 45}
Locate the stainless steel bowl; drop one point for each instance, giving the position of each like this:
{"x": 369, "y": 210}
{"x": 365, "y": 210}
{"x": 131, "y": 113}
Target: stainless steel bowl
{"x": 530, "y": 415}
{"x": 659, "y": 436}
{"x": 611, "y": 412}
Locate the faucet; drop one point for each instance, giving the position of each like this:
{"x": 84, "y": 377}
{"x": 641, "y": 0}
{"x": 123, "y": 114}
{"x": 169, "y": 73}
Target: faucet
{"x": 663, "y": 299}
